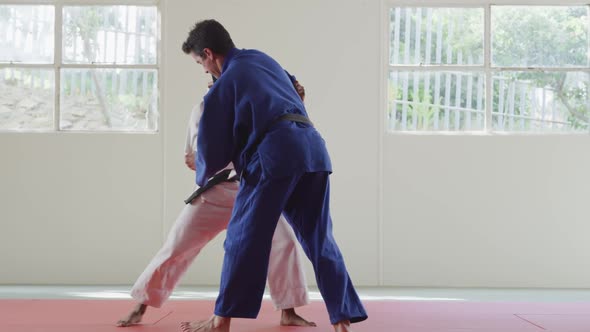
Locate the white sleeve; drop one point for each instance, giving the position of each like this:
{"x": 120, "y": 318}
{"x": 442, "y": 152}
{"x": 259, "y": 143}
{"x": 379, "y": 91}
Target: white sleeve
{"x": 192, "y": 129}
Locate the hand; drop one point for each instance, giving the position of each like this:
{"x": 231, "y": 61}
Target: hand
{"x": 300, "y": 90}
{"x": 189, "y": 160}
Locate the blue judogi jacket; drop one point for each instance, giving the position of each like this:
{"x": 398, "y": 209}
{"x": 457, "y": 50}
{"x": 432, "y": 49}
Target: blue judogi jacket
{"x": 252, "y": 91}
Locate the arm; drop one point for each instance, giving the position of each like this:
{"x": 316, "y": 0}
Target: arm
{"x": 215, "y": 142}
{"x": 193, "y": 129}
{"x": 191, "y": 136}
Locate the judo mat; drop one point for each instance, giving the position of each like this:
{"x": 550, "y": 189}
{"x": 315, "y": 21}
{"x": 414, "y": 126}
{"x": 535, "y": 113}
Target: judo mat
{"x": 390, "y": 316}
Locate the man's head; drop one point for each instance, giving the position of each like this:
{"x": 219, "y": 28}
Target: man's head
{"x": 208, "y": 43}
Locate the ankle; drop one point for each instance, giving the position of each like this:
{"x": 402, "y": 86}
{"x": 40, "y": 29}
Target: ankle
{"x": 140, "y": 308}
{"x": 288, "y": 312}
{"x": 219, "y": 321}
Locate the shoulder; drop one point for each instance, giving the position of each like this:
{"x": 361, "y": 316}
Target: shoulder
{"x": 252, "y": 56}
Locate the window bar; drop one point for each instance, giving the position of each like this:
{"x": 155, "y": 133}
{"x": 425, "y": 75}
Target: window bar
{"x": 487, "y": 63}
{"x": 57, "y": 55}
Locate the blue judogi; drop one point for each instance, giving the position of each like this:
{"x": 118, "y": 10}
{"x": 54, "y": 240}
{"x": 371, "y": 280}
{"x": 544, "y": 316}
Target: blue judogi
{"x": 286, "y": 167}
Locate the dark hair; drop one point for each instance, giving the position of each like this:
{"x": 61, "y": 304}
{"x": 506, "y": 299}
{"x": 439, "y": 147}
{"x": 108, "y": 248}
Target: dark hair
{"x": 208, "y": 34}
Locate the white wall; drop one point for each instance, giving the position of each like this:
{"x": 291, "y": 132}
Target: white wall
{"x": 78, "y": 208}
{"x": 487, "y": 211}
{"x": 504, "y": 211}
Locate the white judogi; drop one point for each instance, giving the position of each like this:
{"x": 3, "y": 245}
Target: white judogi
{"x": 197, "y": 224}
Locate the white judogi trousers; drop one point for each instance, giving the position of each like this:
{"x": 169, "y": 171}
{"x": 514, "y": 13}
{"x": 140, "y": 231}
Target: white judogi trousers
{"x": 197, "y": 225}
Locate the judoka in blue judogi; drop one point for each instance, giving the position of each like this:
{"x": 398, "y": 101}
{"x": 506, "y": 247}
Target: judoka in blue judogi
{"x": 254, "y": 118}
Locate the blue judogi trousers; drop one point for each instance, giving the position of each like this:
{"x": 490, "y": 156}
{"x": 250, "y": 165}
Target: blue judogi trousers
{"x": 304, "y": 200}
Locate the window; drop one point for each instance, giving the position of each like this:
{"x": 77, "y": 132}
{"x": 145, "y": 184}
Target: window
{"x": 98, "y": 71}
{"x": 489, "y": 68}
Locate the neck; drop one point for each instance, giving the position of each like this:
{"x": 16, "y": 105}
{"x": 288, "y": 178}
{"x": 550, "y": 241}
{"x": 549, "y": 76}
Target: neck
{"x": 219, "y": 62}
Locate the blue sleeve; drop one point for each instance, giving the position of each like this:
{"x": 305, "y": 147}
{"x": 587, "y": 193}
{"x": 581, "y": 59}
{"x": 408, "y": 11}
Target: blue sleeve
{"x": 215, "y": 140}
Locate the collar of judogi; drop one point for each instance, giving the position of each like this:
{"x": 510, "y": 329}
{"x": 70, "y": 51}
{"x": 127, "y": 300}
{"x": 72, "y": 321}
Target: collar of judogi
{"x": 228, "y": 58}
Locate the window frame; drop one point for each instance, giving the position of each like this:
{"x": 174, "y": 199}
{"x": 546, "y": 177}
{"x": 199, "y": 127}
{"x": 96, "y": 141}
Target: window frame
{"x": 486, "y": 68}
{"x": 58, "y": 63}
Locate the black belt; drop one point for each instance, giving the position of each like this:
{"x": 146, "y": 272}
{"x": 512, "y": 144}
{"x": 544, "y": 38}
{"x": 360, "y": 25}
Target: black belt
{"x": 285, "y": 117}
{"x": 222, "y": 176}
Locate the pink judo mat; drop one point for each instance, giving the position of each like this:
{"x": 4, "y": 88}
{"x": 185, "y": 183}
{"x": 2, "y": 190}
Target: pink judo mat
{"x": 384, "y": 316}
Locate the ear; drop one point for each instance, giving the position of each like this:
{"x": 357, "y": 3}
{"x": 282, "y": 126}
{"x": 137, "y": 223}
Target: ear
{"x": 208, "y": 52}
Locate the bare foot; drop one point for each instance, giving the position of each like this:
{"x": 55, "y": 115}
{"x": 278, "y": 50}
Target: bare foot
{"x": 213, "y": 324}
{"x": 134, "y": 316}
{"x": 290, "y": 318}
{"x": 343, "y": 326}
